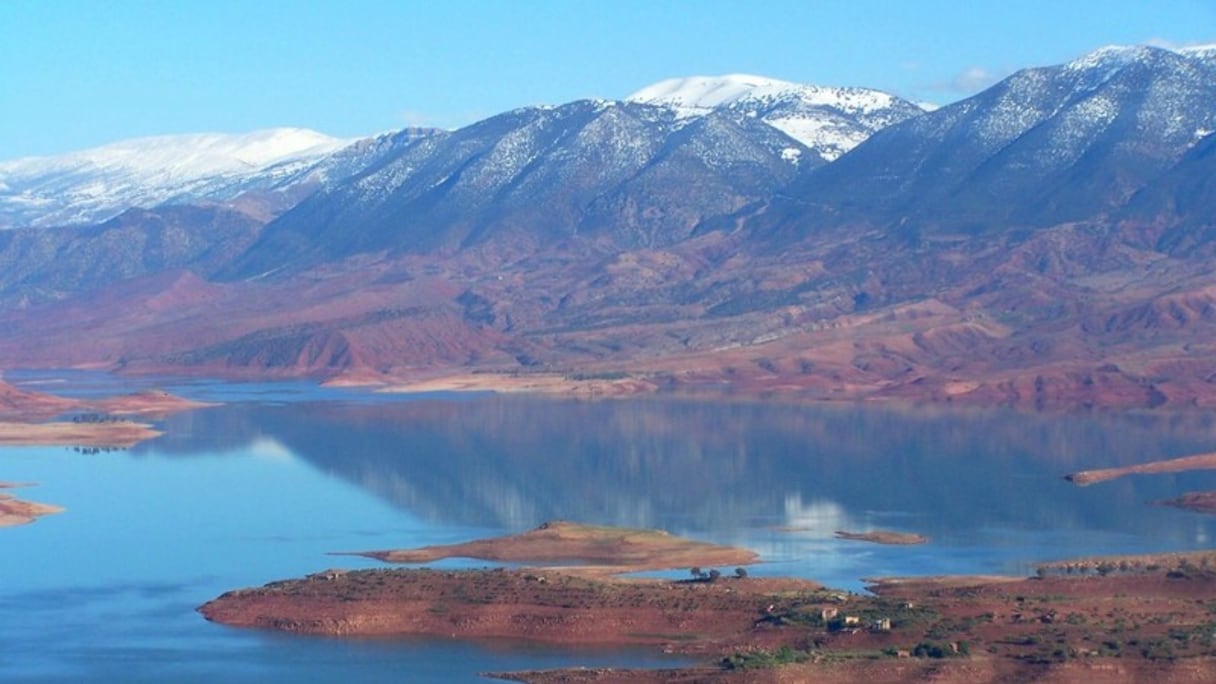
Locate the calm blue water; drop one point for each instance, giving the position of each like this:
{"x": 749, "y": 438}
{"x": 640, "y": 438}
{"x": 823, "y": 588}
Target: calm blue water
{"x": 263, "y": 487}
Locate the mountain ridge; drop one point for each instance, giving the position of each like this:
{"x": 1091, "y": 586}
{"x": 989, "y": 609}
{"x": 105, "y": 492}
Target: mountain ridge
{"x": 1045, "y": 145}
{"x": 829, "y": 120}
{"x": 1045, "y": 242}
{"x": 99, "y": 183}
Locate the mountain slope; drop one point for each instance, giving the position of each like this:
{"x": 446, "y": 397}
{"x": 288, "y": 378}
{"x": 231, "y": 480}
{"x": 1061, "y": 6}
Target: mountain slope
{"x": 1046, "y": 242}
{"x": 1046, "y": 145}
{"x": 40, "y": 265}
{"x": 622, "y": 173}
{"x": 1181, "y": 203}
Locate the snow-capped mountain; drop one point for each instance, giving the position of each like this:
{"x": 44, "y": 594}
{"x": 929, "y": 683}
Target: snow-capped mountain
{"x": 829, "y": 121}
{"x": 1049, "y": 239}
{"x": 95, "y": 184}
{"x": 279, "y": 167}
{"x": 629, "y": 174}
{"x": 1202, "y": 52}
{"x": 1046, "y": 145}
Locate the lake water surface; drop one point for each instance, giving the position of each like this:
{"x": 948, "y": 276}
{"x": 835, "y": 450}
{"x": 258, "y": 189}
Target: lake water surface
{"x": 264, "y": 486}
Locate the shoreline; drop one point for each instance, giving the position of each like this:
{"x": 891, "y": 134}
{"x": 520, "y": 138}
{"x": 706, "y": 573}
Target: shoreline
{"x": 31, "y": 418}
{"x": 746, "y": 629}
{"x": 546, "y": 384}
{"x": 997, "y": 390}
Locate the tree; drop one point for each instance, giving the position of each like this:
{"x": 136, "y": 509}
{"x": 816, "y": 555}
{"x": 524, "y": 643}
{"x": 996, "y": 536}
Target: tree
{"x": 714, "y": 575}
{"x": 741, "y": 573}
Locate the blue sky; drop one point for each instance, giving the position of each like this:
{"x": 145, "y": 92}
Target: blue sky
{"x": 80, "y": 73}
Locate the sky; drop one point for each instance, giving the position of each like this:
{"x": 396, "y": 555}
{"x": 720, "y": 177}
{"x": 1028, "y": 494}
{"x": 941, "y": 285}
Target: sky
{"x": 80, "y": 73}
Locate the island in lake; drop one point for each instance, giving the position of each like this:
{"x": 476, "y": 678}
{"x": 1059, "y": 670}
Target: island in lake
{"x": 883, "y": 537}
{"x": 1144, "y": 621}
{"x": 614, "y": 549}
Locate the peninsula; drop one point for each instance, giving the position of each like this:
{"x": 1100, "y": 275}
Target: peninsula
{"x": 1052, "y": 627}
{"x": 1205, "y": 461}
{"x": 30, "y": 418}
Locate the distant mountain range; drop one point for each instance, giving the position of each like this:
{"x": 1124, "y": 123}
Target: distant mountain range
{"x": 280, "y": 165}
{"x": 1045, "y": 241}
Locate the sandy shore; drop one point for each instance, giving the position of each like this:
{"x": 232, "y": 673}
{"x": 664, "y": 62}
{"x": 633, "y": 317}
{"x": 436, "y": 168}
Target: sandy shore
{"x": 151, "y": 403}
{"x": 534, "y": 383}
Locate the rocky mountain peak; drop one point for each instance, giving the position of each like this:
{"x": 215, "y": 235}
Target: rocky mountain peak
{"x": 828, "y": 120}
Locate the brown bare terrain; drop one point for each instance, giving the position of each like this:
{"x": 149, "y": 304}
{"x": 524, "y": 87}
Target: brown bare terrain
{"x": 1098, "y": 325}
{"x": 610, "y": 549}
{"x": 531, "y": 383}
{"x": 151, "y": 403}
{"x": 22, "y": 405}
{"x": 1102, "y": 565}
{"x": 1121, "y": 627}
{"x": 1172, "y": 465}
{"x": 883, "y": 537}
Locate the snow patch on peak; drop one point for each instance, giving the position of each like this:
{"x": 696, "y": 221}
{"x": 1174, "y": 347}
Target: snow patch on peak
{"x": 1096, "y": 68}
{"x": 193, "y": 155}
{"x": 830, "y": 121}
{"x": 1204, "y": 52}
{"x": 707, "y": 92}
{"x": 1110, "y": 55}
{"x": 746, "y": 92}
{"x": 1117, "y": 56}
{"x": 94, "y": 184}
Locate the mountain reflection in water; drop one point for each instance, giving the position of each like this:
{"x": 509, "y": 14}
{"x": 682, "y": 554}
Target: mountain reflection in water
{"x": 712, "y": 467}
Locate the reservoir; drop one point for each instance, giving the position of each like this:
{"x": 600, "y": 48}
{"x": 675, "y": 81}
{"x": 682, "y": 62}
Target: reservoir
{"x": 266, "y": 485}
